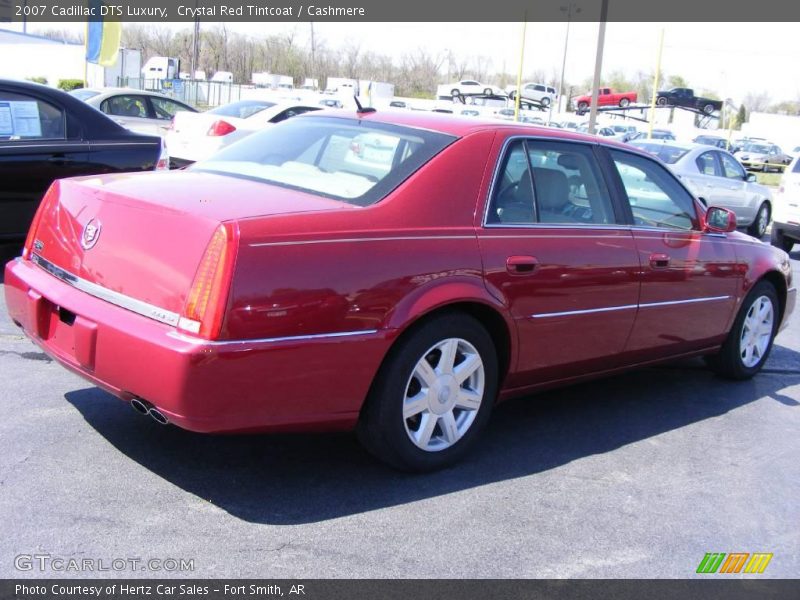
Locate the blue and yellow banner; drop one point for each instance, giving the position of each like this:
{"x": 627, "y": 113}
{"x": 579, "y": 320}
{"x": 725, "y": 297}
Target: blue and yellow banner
{"x": 102, "y": 37}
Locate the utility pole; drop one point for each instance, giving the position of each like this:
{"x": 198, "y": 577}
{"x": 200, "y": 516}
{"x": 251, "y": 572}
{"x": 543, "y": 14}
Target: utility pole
{"x": 313, "y": 55}
{"x": 567, "y": 9}
{"x": 655, "y": 86}
{"x": 598, "y": 65}
{"x": 519, "y": 70}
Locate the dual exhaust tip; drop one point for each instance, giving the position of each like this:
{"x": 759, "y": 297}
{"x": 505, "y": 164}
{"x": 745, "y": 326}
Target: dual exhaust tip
{"x": 143, "y": 407}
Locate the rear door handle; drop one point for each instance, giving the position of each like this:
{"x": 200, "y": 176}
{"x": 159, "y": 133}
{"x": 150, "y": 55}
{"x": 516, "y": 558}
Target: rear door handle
{"x": 59, "y": 159}
{"x": 659, "y": 260}
{"x": 521, "y": 265}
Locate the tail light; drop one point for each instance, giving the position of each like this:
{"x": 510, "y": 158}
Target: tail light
{"x": 52, "y": 194}
{"x": 163, "y": 158}
{"x": 208, "y": 296}
{"x": 219, "y": 128}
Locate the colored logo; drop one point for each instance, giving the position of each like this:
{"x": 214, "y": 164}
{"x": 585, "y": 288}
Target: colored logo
{"x": 735, "y": 562}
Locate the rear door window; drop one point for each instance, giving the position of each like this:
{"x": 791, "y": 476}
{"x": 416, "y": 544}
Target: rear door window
{"x": 24, "y": 117}
{"x": 707, "y": 164}
{"x": 125, "y": 106}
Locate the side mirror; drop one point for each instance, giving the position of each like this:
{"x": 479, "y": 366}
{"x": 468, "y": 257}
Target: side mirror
{"x": 750, "y": 178}
{"x": 719, "y": 220}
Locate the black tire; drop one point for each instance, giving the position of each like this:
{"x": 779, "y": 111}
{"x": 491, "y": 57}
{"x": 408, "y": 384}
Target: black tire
{"x": 708, "y": 109}
{"x": 623, "y": 102}
{"x": 728, "y": 361}
{"x": 545, "y": 102}
{"x": 382, "y": 426}
{"x": 455, "y": 93}
{"x": 759, "y": 225}
{"x": 488, "y": 91}
{"x": 779, "y": 240}
{"x": 582, "y": 106}
{"x": 512, "y": 95}
{"x": 661, "y": 101}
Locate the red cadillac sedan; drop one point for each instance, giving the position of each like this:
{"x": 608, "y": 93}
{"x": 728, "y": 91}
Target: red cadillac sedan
{"x": 395, "y": 273}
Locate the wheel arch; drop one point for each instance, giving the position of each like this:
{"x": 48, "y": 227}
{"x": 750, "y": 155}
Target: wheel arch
{"x": 778, "y": 281}
{"x": 458, "y": 297}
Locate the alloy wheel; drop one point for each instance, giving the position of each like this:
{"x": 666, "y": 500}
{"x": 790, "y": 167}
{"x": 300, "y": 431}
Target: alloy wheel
{"x": 756, "y": 331}
{"x": 443, "y": 394}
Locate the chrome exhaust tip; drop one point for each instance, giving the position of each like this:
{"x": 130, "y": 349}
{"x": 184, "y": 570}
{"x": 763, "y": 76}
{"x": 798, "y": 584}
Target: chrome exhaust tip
{"x": 158, "y": 416}
{"x": 139, "y": 406}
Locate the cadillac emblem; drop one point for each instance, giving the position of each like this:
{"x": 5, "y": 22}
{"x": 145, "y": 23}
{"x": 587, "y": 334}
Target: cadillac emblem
{"x": 90, "y": 235}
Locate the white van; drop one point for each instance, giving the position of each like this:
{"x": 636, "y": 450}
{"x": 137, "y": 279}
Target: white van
{"x": 161, "y": 67}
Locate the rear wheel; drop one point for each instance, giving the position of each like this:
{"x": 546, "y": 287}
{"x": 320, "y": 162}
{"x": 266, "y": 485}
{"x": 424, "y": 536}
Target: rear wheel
{"x": 545, "y": 102}
{"x": 750, "y": 339}
{"x": 455, "y": 93}
{"x": 623, "y": 102}
{"x": 661, "y": 101}
{"x": 432, "y": 396}
{"x": 582, "y": 106}
{"x": 708, "y": 109}
{"x": 488, "y": 91}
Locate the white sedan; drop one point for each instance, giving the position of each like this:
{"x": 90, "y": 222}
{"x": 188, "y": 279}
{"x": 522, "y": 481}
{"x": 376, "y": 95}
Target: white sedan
{"x": 197, "y": 136}
{"x": 716, "y": 178}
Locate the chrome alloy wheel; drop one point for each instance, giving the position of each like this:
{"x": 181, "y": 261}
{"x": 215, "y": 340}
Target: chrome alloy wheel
{"x": 756, "y": 331}
{"x": 443, "y": 394}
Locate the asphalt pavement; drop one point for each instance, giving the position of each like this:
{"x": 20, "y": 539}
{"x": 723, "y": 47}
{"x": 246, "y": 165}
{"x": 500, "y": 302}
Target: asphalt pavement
{"x": 637, "y": 475}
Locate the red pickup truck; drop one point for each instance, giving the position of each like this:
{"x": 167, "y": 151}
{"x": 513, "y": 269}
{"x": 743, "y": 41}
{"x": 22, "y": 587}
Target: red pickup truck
{"x": 605, "y": 97}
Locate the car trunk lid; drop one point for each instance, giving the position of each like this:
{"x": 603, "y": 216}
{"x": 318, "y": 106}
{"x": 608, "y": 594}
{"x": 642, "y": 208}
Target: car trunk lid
{"x": 144, "y": 236}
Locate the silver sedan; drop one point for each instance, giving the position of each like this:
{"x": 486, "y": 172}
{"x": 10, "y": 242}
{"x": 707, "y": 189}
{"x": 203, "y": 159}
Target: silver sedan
{"x": 716, "y": 178}
{"x": 138, "y": 110}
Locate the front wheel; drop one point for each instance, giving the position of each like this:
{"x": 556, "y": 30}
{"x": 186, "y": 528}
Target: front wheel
{"x": 759, "y": 226}
{"x": 750, "y": 339}
{"x": 432, "y": 396}
{"x": 662, "y": 101}
{"x": 708, "y": 109}
{"x": 545, "y": 102}
{"x": 582, "y": 106}
{"x": 488, "y": 91}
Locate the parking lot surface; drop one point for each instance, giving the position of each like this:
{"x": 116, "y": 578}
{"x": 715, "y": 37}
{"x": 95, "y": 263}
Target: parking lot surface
{"x": 637, "y": 475}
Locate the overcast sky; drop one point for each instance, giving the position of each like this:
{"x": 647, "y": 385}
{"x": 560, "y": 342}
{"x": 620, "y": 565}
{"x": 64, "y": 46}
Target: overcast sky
{"x": 730, "y": 58}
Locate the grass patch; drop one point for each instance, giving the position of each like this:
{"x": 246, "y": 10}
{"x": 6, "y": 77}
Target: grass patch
{"x": 773, "y": 179}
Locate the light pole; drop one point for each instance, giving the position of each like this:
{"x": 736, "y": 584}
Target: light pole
{"x": 569, "y": 10}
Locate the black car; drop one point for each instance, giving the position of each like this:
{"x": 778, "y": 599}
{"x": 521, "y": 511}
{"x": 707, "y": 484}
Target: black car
{"x": 46, "y": 134}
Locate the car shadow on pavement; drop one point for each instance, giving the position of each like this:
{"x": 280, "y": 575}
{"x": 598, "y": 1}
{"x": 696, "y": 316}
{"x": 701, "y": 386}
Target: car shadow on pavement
{"x": 293, "y": 479}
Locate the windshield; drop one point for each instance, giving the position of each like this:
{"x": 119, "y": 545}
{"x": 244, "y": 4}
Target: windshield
{"x": 241, "y": 109}
{"x": 345, "y": 159}
{"x": 668, "y": 153}
{"x": 84, "y": 94}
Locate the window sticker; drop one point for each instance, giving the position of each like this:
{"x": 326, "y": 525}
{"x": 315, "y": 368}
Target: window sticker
{"x": 25, "y": 119}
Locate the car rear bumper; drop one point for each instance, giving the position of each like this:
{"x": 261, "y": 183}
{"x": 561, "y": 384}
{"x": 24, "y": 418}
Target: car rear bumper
{"x": 298, "y": 383}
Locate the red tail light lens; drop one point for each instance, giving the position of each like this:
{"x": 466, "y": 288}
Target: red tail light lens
{"x": 163, "y": 158}
{"x": 52, "y": 194}
{"x": 208, "y": 296}
{"x": 220, "y": 128}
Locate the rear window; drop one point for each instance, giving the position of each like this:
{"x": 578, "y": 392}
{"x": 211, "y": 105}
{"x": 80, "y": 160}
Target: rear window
{"x": 84, "y": 94}
{"x": 345, "y": 159}
{"x": 669, "y": 154}
{"x": 241, "y": 109}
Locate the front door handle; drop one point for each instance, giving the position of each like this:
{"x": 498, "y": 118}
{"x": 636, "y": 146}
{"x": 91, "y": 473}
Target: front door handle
{"x": 659, "y": 260}
{"x": 521, "y": 265}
